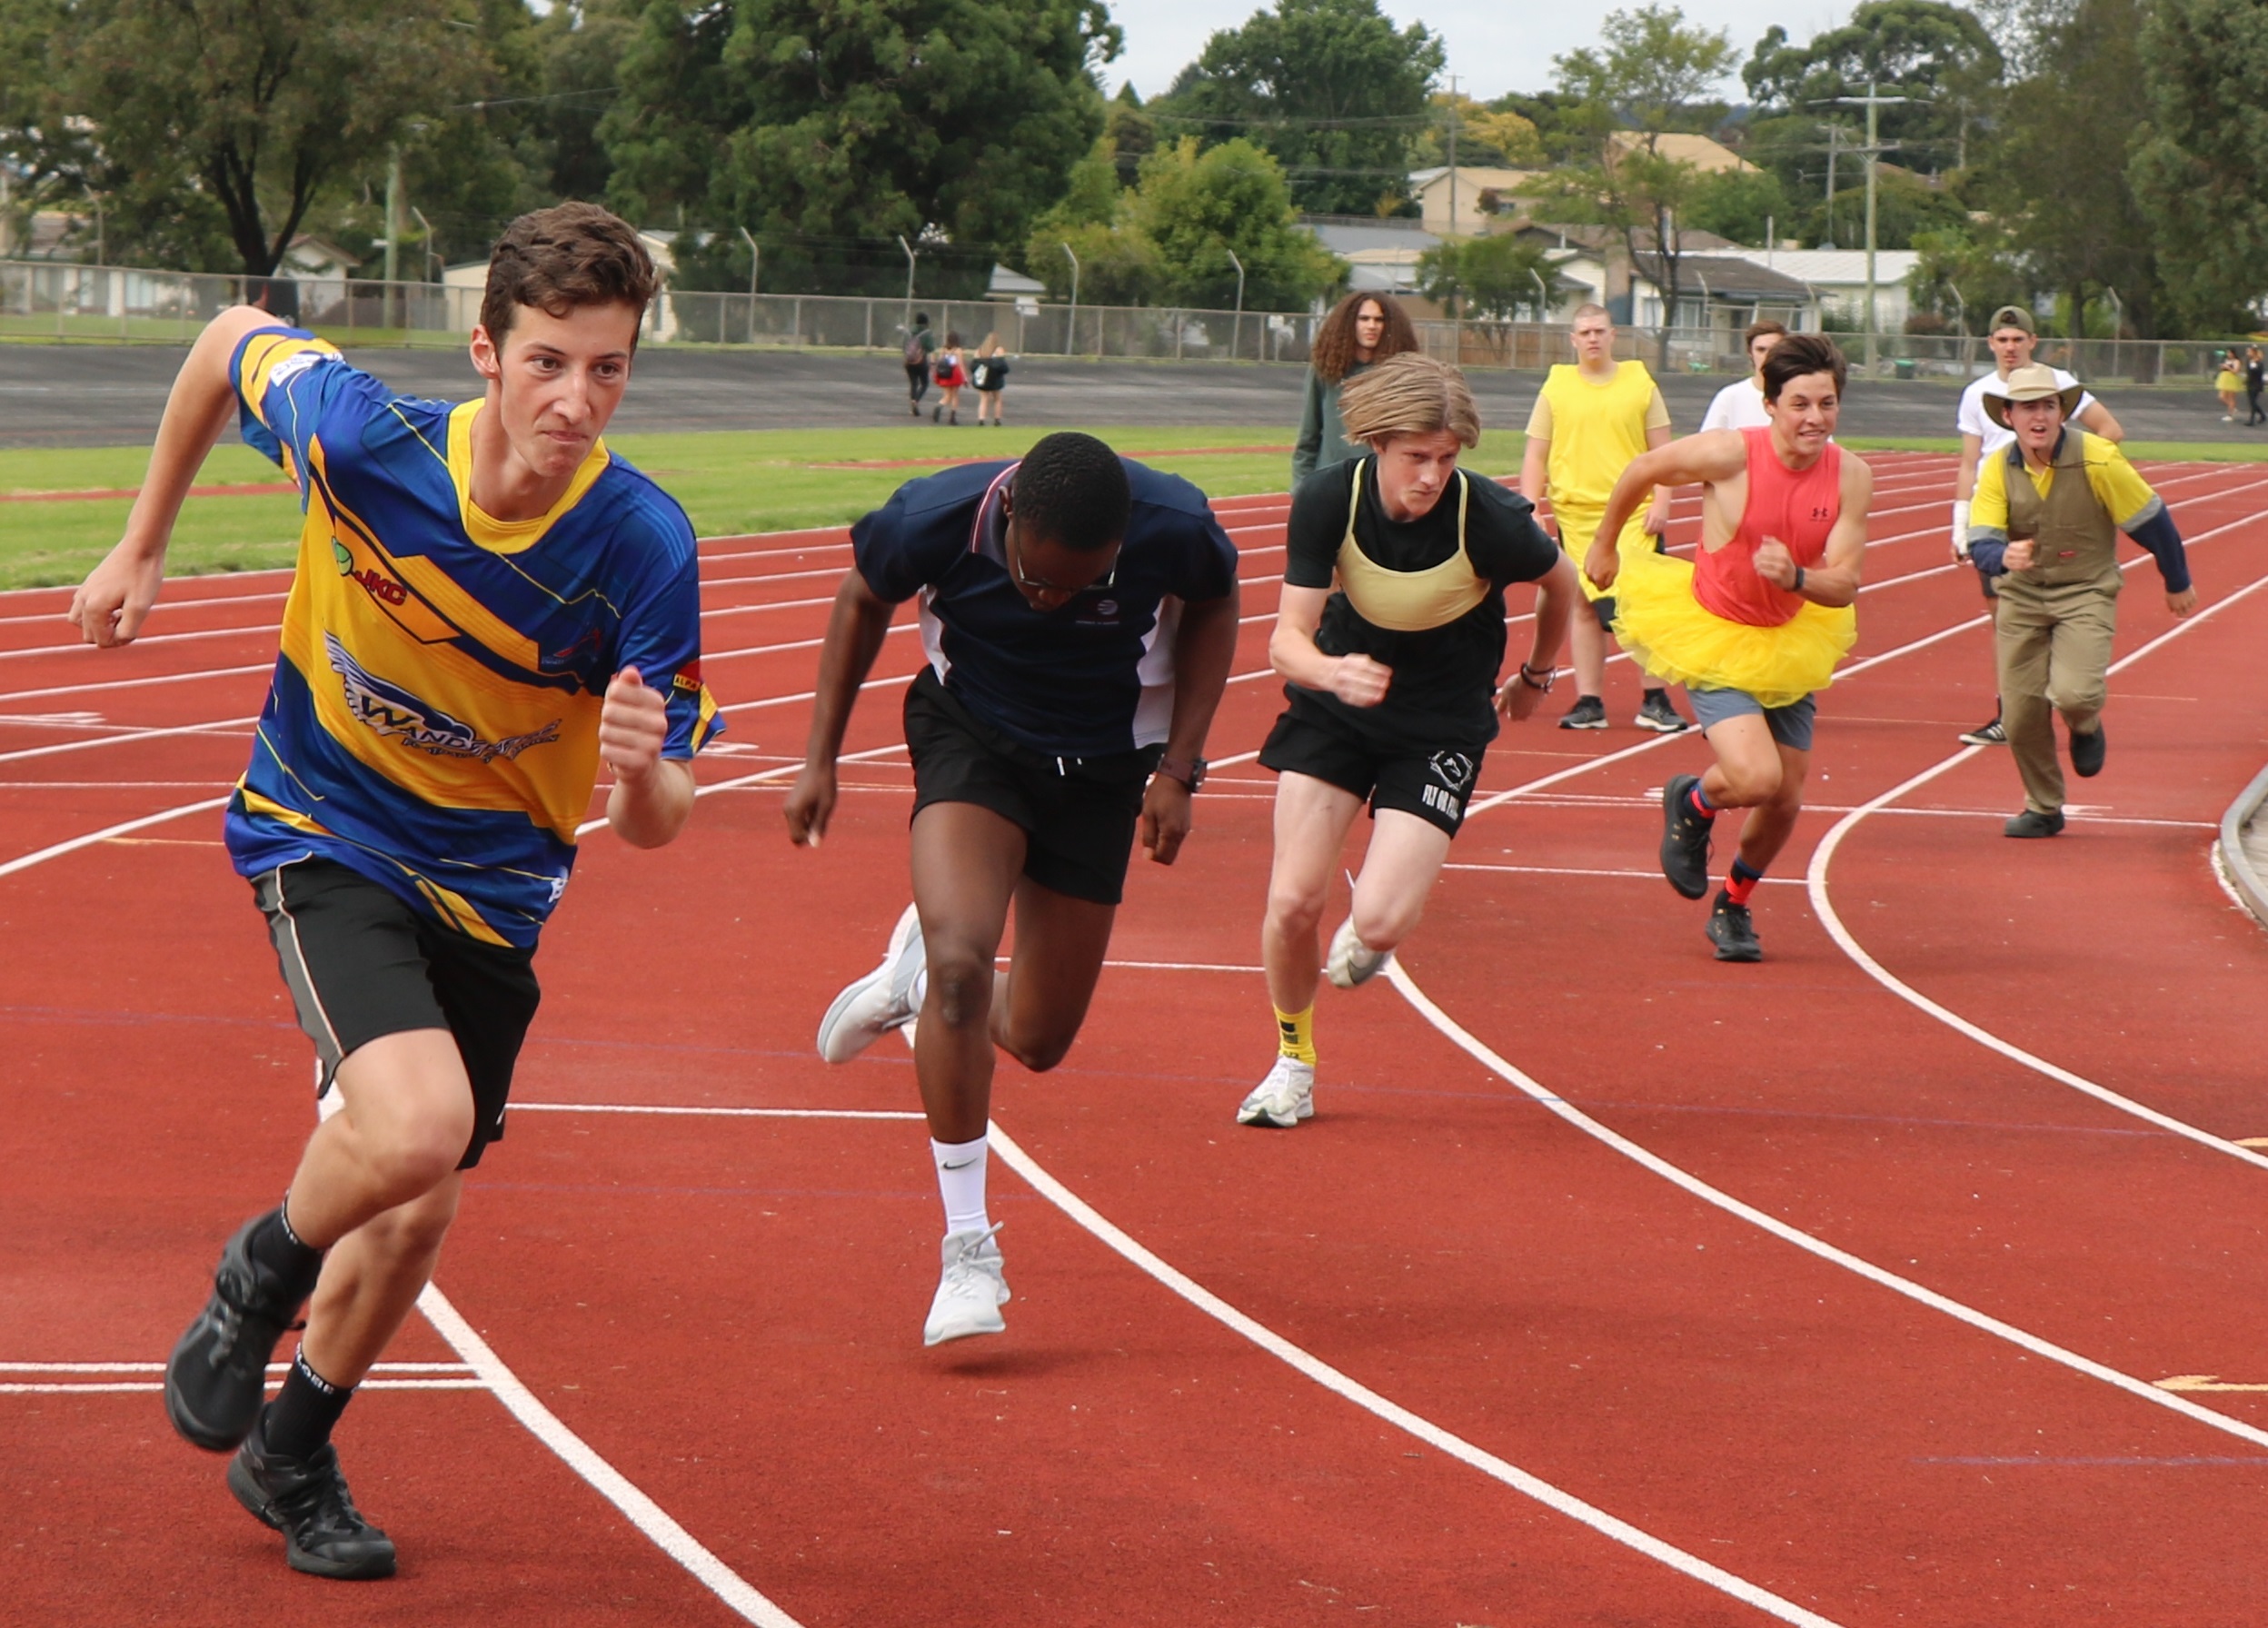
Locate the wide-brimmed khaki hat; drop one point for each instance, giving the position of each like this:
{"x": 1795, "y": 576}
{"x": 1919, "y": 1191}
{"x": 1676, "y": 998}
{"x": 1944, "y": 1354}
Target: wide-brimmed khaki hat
{"x": 2033, "y": 383}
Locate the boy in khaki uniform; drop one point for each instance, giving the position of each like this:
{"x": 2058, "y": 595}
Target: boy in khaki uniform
{"x": 2045, "y": 521}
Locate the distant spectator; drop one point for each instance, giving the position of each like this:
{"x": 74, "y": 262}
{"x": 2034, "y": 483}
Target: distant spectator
{"x": 919, "y": 342}
{"x": 2227, "y": 383}
{"x": 1741, "y": 406}
{"x": 1362, "y": 331}
{"x": 2255, "y": 380}
{"x": 989, "y": 374}
{"x": 952, "y": 372}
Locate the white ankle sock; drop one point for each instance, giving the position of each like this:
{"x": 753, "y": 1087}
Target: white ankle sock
{"x": 961, "y": 1181}
{"x": 917, "y": 991}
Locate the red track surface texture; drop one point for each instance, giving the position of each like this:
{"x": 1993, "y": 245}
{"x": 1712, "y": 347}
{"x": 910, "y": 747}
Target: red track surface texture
{"x": 1610, "y": 1285}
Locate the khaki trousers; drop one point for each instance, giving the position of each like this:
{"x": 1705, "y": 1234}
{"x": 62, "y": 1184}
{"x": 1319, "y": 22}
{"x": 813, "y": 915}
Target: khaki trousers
{"x": 2053, "y": 649}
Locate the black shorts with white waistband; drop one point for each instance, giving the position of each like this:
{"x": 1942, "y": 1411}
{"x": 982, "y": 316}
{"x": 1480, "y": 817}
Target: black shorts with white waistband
{"x": 1433, "y": 780}
{"x": 1077, "y": 814}
{"x": 361, "y": 962}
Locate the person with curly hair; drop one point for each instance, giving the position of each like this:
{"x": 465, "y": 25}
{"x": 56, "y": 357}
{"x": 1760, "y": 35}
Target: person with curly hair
{"x": 1362, "y": 331}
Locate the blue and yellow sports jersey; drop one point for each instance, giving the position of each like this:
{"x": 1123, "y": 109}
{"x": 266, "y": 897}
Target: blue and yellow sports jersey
{"x": 434, "y": 721}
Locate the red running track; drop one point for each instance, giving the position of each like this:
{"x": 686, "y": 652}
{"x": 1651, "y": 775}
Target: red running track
{"x": 1609, "y": 1286}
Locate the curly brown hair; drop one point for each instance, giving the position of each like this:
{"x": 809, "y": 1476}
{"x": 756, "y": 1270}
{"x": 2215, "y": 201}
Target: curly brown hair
{"x": 563, "y": 258}
{"x": 1334, "y": 350}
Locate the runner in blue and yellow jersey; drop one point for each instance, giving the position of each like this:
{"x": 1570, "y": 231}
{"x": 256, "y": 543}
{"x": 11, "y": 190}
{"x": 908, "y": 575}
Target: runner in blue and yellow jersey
{"x": 487, "y": 605}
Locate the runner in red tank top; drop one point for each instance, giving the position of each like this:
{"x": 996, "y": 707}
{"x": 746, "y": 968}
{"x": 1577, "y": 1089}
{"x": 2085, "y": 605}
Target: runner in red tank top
{"x": 1755, "y": 623}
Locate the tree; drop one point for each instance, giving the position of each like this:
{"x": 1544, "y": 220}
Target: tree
{"x": 1485, "y": 135}
{"x": 2061, "y": 178}
{"x": 1497, "y": 275}
{"x": 2202, "y": 168}
{"x": 1940, "y": 56}
{"x": 1198, "y": 205}
{"x": 951, "y": 122}
{"x": 1653, "y": 73}
{"x": 1740, "y": 204}
{"x": 1329, "y": 87}
{"x": 1967, "y": 272}
{"x": 1117, "y": 264}
{"x": 252, "y": 108}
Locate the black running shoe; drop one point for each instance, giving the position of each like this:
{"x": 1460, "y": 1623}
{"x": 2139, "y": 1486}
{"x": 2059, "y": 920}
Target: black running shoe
{"x": 1732, "y": 931}
{"x": 306, "y": 1500}
{"x": 1655, "y": 714}
{"x": 1589, "y": 712}
{"x": 214, "y": 1380}
{"x": 2086, "y": 753}
{"x": 1985, "y": 734}
{"x": 2033, "y": 823}
{"x": 1685, "y": 837}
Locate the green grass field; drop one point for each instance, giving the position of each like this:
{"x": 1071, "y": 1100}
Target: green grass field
{"x": 729, "y": 481}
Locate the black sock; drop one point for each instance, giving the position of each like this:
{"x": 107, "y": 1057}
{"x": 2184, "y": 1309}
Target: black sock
{"x": 273, "y": 1244}
{"x": 300, "y": 1420}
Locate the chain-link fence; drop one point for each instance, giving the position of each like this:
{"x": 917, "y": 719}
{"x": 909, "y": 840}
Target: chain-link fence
{"x": 41, "y": 299}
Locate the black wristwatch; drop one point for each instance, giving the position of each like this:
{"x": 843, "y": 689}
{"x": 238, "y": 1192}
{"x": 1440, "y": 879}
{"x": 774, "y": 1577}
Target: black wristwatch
{"x": 1528, "y": 677}
{"x": 1189, "y": 772}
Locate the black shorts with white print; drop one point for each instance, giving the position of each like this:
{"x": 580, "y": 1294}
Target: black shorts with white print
{"x": 1433, "y": 782}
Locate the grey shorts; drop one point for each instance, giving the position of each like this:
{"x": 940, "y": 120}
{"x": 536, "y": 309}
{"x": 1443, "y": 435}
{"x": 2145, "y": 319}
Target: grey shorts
{"x": 1790, "y": 725}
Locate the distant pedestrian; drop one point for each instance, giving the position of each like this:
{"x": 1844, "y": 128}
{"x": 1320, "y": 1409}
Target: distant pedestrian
{"x": 1362, "y": 331}
{"x": 2227, "y": 383}
{"x": 919, "y": 342}
{"x": 989, "y": 374}
{"x": 2255, "y": 380}
{"x": 952, "y": 372}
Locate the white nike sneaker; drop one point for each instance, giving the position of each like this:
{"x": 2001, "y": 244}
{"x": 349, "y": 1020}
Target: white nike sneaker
{"x": 1351, "y": 961}
{"x": 1284, "y": 1098}
{"x": 882, "y": 1000}
{"x": 972, "y": 1290}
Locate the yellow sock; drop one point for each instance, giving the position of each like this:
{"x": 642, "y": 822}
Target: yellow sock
{"x": 1294, "y": 1034}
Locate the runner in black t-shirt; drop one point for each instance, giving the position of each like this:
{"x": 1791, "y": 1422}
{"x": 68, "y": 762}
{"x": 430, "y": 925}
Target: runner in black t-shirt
{"x": 1391, "y": 630}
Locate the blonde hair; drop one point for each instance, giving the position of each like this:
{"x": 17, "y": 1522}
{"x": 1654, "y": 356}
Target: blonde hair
{"x": 1409, "y": 394}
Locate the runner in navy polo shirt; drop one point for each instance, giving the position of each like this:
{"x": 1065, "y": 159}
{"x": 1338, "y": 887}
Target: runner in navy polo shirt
{"x": 1079, "y": 613}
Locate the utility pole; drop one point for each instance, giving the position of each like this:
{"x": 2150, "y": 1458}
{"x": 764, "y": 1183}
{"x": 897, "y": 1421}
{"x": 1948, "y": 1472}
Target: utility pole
{"x": 394, "y": 229}
{"x": 1236, "y": 340}
{"x": 1071, "y": 328}
{"x": 909, "y": 249}
{"x": 1873, "y": 102}
{"x": 1834, "y": 145}
{"x": 1452, "y": 230}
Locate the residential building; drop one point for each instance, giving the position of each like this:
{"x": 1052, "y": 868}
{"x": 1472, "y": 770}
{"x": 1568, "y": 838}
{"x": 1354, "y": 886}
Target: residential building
{"x": 1838, "y": 279}
{"x": 1482, "y": 195}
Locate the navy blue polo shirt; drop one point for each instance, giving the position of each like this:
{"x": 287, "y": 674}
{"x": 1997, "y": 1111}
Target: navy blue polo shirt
{"x": 1092, "y": 678}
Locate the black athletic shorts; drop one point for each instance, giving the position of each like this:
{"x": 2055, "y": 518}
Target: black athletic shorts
{"x": 361, "y": 962}
{"x": 1433, "y": 782}
{"x": 1077, "y": 814}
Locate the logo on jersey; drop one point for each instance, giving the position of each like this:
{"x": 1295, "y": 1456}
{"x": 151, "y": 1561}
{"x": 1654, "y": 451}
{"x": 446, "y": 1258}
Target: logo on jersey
{"x": 392, "y": 711}
{"x": 1453, "y": 769}
{"x": 1821, "y": 512}
{"x": 291, "y": 366}
{"x": 370, "y": 579}
{"x": 688, "y": 679}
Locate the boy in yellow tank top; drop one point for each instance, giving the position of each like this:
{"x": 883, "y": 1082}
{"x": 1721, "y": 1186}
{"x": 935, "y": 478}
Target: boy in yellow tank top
{"x": 1592, "y": 417}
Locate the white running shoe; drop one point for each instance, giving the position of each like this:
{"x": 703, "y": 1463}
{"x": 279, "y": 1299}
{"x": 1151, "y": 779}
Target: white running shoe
{"x": 971, "y": 1292}
{"x": 1284, "y": 1098}
{"x": 882, "y": 1000}
{"x": 1351, "y": 961}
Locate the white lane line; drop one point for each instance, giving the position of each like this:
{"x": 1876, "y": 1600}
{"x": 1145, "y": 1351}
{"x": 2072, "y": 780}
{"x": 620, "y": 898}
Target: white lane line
{"x": 610, "y": 1483}
{"x": 80, "y": 746}
{"x": 1350, "y": 1389}
{"x": 276, "y": 1368}
{"x": 709, "y": 1113}
{"x": 1635, "y": 876}
{"x": 1678, "y": 1177}
{"x": 125, "y": 828}
{"x": 126, "y": 1386}
{"x": 1823, "y": 906}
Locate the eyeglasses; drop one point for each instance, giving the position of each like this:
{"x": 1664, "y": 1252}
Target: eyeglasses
{"x": 1016, "y": 567}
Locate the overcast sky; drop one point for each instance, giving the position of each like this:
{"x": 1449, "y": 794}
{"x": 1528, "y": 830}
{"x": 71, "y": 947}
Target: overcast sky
{"x": 1494, "y": 46}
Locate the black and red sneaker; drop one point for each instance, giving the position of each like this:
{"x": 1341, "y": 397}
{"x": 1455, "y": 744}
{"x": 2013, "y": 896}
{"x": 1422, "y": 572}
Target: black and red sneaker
{"x": 1685, "y": 837}
{"x": 217, "y": 1375}
{"x": 1732, "y": 930}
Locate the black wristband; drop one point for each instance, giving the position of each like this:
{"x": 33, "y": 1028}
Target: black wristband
{"x": 1529, "y": 677}
{"x": 1799, "y": 579}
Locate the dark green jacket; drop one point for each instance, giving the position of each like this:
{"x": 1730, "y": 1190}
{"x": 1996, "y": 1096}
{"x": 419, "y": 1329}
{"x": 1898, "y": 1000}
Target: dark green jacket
{"x": 1322, "y": 437}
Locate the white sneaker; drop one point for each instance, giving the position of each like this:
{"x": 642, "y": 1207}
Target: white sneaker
{"x": 882, "y": 1000}
{"x": 1351, "y": 961}
{"x": 1284, "y": 1098}
{"x": 971, "y": 1292}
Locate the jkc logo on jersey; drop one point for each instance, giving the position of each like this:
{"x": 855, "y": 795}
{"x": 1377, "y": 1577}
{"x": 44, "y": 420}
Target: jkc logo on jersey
{"x": 371, "y": 580}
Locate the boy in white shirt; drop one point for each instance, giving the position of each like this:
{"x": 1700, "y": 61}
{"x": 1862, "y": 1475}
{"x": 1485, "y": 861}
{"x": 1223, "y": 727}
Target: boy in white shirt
{"x": 1741, "y": 406}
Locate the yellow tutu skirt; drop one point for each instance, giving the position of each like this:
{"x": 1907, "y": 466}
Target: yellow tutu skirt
{"x": 1668, "y": 632}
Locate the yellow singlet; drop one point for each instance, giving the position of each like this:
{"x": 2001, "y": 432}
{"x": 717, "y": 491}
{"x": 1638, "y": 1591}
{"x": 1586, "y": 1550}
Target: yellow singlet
{"x": 1595, "y": 430}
